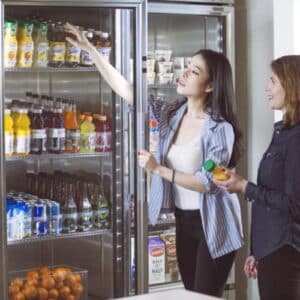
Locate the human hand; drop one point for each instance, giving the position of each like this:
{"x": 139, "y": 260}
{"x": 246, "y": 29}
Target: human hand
{"x": 234, "y": 184}
{"x": 78, "y": 38}
{"x": 250, "y": 267}
{"x": 147, "y": 160}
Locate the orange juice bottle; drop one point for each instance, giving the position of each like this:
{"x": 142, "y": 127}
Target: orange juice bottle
{"x": 25, "y": 45}
{"x": 10, "y": 44}
{"x": 72, "y": 129}
{"x": 8, "y": 129}
{"x": 22, "y": 133}
{"x": 218, "y": 172}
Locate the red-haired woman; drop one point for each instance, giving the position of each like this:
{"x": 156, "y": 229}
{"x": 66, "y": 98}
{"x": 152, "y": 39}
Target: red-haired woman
{"x": 275, "y": 236}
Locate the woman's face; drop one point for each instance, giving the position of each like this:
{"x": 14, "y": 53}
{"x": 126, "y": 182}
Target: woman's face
{"x": 275, "y": 92}
{"x": 194, "y": 82}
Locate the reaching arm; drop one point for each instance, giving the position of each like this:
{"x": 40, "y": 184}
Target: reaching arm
{"x": 112, "y": 76}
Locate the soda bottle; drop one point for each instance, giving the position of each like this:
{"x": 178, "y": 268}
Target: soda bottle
{"x": 87, "y": 135}
{"x": 69, "y": 209}
{"x": 105, "y": 48}
{"x": 72, "y": 130}
{"x": 56, "y": 132}
{"x": 25, "y": 45}
{"x": 100, "y": 208}
{"x": 38, "y": 132}
{"x": 103, "y": 134}
{"x": 8, "y": 132}
{"x": 21, "y": 132}
{"x": 218, "y": 172}
{"x": 41, "y": 45}
{"x": 10, "y": 43}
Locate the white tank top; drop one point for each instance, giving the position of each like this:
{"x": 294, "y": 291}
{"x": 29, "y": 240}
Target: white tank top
{"x": 185, "y": 158}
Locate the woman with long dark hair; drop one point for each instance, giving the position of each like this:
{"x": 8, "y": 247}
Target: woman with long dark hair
{"x": 275, "y": 225}
{"x": 201, "y": 126}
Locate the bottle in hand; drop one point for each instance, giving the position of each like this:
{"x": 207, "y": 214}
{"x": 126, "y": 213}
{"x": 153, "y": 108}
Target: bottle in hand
{"x": 218, "y": 171}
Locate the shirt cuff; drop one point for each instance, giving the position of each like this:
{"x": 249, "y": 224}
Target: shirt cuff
{"x": 251, "y": 191}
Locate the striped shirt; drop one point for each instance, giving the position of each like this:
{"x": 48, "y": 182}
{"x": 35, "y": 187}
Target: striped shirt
{"x": 220, "y": 210}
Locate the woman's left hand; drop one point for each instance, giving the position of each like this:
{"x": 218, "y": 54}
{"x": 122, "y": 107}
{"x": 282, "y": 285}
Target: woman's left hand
{"x": 234, "y": 184}
{"x": 147, "y": 160}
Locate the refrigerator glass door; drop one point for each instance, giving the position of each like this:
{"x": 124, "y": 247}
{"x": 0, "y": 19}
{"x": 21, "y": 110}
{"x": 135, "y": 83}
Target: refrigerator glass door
{"x": 71, "y": 174}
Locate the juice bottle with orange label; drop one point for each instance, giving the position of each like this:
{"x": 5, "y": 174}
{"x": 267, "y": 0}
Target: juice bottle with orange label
{"x": 25, "y": 45}
{"x": 8, "y": 128}
{"x": 10, "y": 44}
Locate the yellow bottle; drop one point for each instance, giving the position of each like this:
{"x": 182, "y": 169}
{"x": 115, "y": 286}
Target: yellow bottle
{"x": 21, "y": 133}
{"x": 87, "y": 135}
{"x": 8, "y": 132}
{"x": 25, "y": 45}
{"x": 41, "y": 46}
{"x": 10, "y": 44}
{"x": 218, "y": 172}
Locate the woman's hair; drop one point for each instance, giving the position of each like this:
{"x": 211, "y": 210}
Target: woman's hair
{"x": 287, "y": 68}
{"x": 220, "y": 102}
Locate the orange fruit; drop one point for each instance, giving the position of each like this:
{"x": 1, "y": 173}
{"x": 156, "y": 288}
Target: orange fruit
{"x": 42, "y": 294}
{"x": 64, "y": 292}
{"x": 44, "y": 270}
{"x": 30, "y": 292}
{"x": 53, "y": 293}
{"x": 18, "y": 282}
{"x": 59, "y": 274}
{"x": 77, "y": 289}
{"x": 70, "y": 279}
{"x": 33, "y": 275}
{"x": 18, "y": 296}
{"x": 59, "y": 284}
{"x": 70, "y": 297}
{"x": 77, "y": 277}
{"x": 48, "y": 282}
{"x": 13, "y": 289}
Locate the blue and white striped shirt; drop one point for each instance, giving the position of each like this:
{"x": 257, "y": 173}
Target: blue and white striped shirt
{"x": 220, "y": 211}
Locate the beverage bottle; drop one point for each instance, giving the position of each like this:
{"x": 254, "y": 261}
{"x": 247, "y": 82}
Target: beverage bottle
{"x": 153, "y": 136}
{"x": 87, "y": 135}
{"x": 25, "y": 45}
{"x": 56, "y": 132}
{"x": 100, "y": 208}
{"x": 72, "y": 54}
{"x": 103, "y": 134}
{"x": 41, "y": 45}
{"x": 72, "y": 130}
{"x": 10, "y": 44}
{"x": 40, "y": 220}
{"x": 85, "y": 58}
{"x": 38, "y": 132}
{"x": 69, "y": 210}
{"x": 105, "y": 48}
{"x": 8, "y": 132}
{"x": 85, "y": 212}
{"x": 54, "y": 217}
{"x": 27, "y": 209}
{"x": 57, "y": 44}
{"x": 218, "y": 172}
{"x": 21, "y": 132}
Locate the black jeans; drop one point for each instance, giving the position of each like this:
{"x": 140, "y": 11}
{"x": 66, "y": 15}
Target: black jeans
{"x": 279, "y": 275}
{"x": 199, "y": 271}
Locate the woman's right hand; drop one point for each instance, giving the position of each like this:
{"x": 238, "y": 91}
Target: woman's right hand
{"x": 250, "y": 267}
{"x": 79, "y": 39}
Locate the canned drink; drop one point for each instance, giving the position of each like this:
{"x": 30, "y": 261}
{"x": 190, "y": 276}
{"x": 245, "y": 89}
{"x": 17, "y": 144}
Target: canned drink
{"x": 54, "y": 217}
{"x": 39, "y": 224}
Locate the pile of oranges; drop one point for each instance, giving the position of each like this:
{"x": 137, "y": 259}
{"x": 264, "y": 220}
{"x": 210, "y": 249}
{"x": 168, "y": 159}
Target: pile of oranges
{"x": 44, "y": 284}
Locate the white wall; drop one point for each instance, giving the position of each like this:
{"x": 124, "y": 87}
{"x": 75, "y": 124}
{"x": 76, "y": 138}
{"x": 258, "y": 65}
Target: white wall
{"x": 254, "y": 52}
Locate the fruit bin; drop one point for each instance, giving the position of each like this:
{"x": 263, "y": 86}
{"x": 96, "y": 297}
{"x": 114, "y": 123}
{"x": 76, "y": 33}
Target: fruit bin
{"x": 49, "y": 283}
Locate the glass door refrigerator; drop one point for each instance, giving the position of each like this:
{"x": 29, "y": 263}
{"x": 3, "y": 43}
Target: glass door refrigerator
{"x": 176, "y": 30}
{"x": 68, "y": 167}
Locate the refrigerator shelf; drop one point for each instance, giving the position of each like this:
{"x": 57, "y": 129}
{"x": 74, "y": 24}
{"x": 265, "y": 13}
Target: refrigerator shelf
{"x": 58, "y": 156}
{"x": 50, "y": 70}
{"x": 162, "y": 86}
{"x": 59, "y": 237}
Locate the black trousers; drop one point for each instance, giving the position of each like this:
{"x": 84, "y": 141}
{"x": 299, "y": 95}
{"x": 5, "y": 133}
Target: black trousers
{"x": 279, "y": 275}
{"x": 199, "y": 271}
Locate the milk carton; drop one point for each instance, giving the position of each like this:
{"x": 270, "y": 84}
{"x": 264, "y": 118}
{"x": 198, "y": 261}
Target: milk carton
{"x": 156, "y": 250}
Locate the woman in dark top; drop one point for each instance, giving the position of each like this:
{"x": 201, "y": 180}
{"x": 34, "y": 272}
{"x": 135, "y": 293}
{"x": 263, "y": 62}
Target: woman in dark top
{"x": 275, "y": 229}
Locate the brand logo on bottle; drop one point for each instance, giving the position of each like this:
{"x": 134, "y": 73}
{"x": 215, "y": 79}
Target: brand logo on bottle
{"x": 157, "y": 252}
